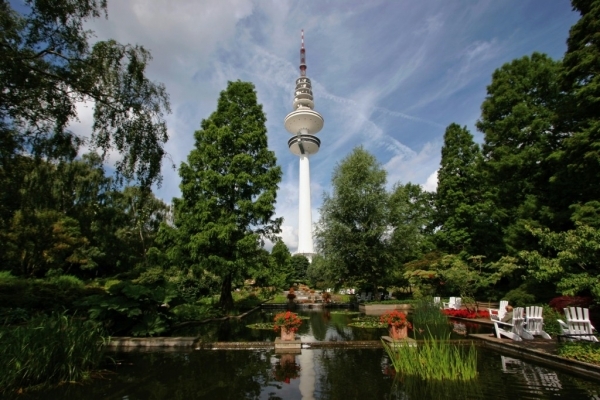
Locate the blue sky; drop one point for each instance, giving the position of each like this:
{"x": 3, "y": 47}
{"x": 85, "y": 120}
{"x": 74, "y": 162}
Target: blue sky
{"x": 387, "y": 75}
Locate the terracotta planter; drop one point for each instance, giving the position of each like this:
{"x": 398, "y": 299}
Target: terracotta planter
{"x": 398, "y": 333}
{"x": 287, "y": 335}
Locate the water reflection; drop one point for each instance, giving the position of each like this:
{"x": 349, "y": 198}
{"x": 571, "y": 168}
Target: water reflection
{"x": 531, "y": 376}
{"x": 313, "y": 374}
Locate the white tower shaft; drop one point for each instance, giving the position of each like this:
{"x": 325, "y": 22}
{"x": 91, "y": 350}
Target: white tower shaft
{"x": 305, "y": 238}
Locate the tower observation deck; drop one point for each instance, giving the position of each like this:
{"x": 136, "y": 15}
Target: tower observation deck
{"x": 303, "y": 123}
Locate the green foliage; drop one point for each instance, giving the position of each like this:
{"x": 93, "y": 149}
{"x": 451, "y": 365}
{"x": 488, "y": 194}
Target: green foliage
{"x": 133, "y": 309}
{"x": 6, "y": 276}
{"x": 568, "y": 259}
{"x": 520, "y": 297}
{"x": 299, "y": 265}
{"x": 48, "y": 66}
{"x": 463, "y": 202}
{"x": 229, "y": 187}
{"x": 193, "y": 312}
{"x": 551, "y": 317}
{"x": 277, "y": 276}
{"x": 520, "y": 133}
{"x": 247, "y": 302}
{"x": 435, "y": 360}
{"x": 580, "y": 351}
{"x": 41, "y": 296}
{"x": 364, "y": 231}
{"x": 579, "y": 158}
{"x": 49, "y": 350}
{"x": 66, "y": 282}
{"x": 411, "y": 213}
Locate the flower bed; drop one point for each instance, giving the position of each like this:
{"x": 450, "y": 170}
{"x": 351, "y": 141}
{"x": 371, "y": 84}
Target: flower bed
{"x": 467, "y": 314}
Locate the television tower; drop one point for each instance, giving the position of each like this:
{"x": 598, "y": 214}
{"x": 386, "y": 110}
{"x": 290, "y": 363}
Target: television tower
{"x": 304, "y": 123}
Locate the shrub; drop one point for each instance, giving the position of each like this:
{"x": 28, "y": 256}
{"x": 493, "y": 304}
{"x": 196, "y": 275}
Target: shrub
{"x": 67, "y": 282}
{"x": 520, "y": 297}
{"x": 49, "y": 350}
{"x": 192, "y": 312}
{"x": 562, "y": 302}
{"x": 551, "y": 325}
{"x": 6, "y": 276}
{"x": 133, "y": 309}
{"x": 248, "y": 302}
{"x": 582, "y": 351}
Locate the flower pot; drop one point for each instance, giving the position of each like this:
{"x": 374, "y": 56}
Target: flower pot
{"x": 398, "y": 333}
{"x": 287, "y": 335}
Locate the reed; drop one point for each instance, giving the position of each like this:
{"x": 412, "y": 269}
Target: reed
{"x": 428, "y": 319}
{"x": 434, "y": 359}
{"x": 48, "y": 350}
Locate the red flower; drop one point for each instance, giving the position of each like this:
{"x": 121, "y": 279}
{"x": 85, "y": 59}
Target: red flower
{"x": 395, "y": 318}
{"x": 288, "y": 320}
{"x": 463, "y": 313}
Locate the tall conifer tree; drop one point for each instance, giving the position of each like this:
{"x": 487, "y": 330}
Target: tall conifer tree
{"x": 518, "y": 120}
{"x": 579, "y": 176}
{"x": 463, "y": 205}
{"x": 228, "y": 187}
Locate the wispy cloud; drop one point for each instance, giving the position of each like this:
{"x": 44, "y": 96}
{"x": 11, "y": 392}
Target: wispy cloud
{"x": 386, "y": 75}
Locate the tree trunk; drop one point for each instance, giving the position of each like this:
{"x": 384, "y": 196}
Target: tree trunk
{"x": 226, "y": 300}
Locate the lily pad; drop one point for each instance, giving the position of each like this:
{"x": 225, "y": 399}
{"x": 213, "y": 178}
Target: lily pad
{"x": 367, "y": 322}
{"x": 343, "y": 312}
{"x": 267, "y": 326}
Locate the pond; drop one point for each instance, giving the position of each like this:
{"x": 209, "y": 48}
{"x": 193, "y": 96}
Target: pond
{"x": 314, "y": 374}
{"x": 328, "y": 373}
{"x": 319, "y": 325}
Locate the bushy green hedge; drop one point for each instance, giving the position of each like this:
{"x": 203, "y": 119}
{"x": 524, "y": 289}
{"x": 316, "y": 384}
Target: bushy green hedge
{"x": 194, "y": 312}
{"x": 48, "y": 350}
{"x": 36, "y": 295}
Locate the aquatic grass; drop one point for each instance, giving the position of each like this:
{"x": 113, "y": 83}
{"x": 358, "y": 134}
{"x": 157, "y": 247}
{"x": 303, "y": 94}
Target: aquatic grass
{"x": 434, "y": 359}
{"x": 428, "y": 320}
{"x": 49, "y": 350}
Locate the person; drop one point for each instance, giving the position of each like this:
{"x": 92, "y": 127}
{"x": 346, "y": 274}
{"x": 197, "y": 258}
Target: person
{"x": 508, "y": 316}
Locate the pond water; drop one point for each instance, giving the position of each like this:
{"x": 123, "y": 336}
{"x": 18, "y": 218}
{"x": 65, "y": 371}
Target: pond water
{"x": 314, "y": 374}
{"x": 319, "y": 325}
{"x": 332, "y": 373}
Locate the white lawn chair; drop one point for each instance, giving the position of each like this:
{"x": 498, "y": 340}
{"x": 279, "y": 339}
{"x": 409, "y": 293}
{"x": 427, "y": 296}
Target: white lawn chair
{"x": 437, "y": 301}
{"x": 513, "y": 330}
{"x": 498, "y": 313}
{"x": 579, "y": 325}
{"x": 452, "y": 304}
{"x": 535, "y": 322}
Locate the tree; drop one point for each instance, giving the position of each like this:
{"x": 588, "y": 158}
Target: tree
{"x": 579, "y": 157}
{"x": 411, "y": 213}
{"x": 47, "y": 66}
{"x": 353, "y": 231}
{"x": 298, "y": 267}
{"x": 462, "y": 199}
{"x": 518, "y": 120}
{"x": 567, "y": 259}
{"x": 229, "y": 186}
